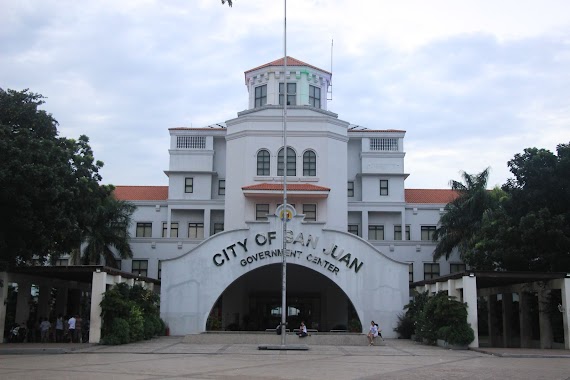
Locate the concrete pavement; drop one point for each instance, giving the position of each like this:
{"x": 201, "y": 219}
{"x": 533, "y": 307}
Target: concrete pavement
{"x": 171, "y": 358}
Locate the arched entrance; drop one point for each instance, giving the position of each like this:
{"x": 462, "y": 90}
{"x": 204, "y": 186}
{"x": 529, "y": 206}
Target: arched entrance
{"x": 253, "y": 302}
{"x": 354, "y": 270}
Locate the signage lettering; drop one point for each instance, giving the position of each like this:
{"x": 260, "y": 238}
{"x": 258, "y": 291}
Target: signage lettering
{"x": 239, "y": 248}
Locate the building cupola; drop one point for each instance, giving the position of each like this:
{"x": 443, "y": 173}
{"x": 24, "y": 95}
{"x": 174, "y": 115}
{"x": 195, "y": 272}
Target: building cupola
{"x": 307, "y": 85}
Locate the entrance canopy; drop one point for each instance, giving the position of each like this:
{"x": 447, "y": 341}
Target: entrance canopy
{"x": 376, "y": 285}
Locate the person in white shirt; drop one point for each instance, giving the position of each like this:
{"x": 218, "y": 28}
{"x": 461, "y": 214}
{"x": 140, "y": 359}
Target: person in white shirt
{"x": 373, "y": 333}
{"x": 302, "y": 330}
{"x": 44, "y": 328}
{"x": 71, "y": 323}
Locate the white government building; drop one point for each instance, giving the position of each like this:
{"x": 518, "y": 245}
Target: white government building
{"x": 357, "y": 239}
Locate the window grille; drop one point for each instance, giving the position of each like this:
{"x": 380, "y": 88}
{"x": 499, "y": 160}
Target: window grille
{"x": 191, "y": 142}
{"x": 384, "y": 144}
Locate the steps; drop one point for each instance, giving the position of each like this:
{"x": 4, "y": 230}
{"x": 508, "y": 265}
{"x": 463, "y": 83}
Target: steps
{"x": 254, "y": 337}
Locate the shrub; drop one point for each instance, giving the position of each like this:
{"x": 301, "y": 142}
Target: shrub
{"x": 458, "y": 334}
{"x": 136, "y": 323}
{"x": 119, "y": 333}
{"x": 405, "y": 327}
{"x": 440, "y": 311}
{"x": 354, "y": 325}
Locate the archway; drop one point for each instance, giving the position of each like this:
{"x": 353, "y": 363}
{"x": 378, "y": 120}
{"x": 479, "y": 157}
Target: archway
{"x": 253, "y": 302}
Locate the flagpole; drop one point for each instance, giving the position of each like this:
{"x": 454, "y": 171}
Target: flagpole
{"x": 285, "y": 214}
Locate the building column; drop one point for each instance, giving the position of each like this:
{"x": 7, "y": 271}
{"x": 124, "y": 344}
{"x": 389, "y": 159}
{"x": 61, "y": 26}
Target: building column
{"x": 207, "y": 218}
{"x": 452, "y": 290}
{"x": 470, "y": 296}
{"x": 565, "y": 289}
{"x": 43, "y": 300}
{"x": 23, "y": 302}
{"x": 4, "y": 284}
{"x": 494, "y": 340}
{"x": 61, "y": 300}
{"x": 168, "y": 221}
{"x": 98, "y": 287}
{"x": 403, "y": 217}
{"x": 525, "y": 320}
{"x": 544, "y": 322}
{"x": 365, "y": 225}
{"x": 507, "y": 315}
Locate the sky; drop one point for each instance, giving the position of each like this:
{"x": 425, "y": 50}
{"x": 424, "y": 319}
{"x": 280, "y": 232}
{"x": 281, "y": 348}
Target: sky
{"x": 472, "y": 82}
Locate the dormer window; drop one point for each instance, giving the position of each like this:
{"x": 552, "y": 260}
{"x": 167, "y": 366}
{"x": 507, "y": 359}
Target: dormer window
{"x": 291, "y": 93}
{"x": 260, "y": 96}
{"x": 315, "y": 96}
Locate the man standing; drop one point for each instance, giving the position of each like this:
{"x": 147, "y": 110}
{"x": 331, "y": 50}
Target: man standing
{"x": 71, "y": 323}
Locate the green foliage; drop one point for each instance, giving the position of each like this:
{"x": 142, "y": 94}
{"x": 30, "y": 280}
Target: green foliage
{"x": 119, "y": 333}
{"x": 136, "y": 323}
{"x": 405, "y": 327}
{"x": 524, "y": 226}
{"x": 354, "y": 325}
{"x": 458, "y": 334}
{"x": 50, "y": 184}
{"x": 415, "y": 307}
{"x": 442, "y": 317}
{"x": 214, "y": 323}
{"x": 137, "y": 306}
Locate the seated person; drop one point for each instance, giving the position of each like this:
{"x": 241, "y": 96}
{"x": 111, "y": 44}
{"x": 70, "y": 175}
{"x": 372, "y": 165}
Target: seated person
{"x": 302, "y": 330}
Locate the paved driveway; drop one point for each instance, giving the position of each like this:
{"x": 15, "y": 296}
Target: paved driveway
{"x": 169, "y": 358}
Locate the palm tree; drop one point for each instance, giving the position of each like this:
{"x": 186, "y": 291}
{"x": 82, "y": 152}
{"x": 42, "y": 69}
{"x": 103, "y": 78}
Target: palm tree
{"x": 229, "y": 2}
{"x": 463, "y": 215}
{"x": 108, "y": 230}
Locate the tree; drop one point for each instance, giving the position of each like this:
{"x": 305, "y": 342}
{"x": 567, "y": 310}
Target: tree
{"x": 49, "y": 184}
{"x": 531, "y": 229}
{"x": 107, "y": 230}
{"x": 463, "y": 216}
{"x": 228, "y": 1}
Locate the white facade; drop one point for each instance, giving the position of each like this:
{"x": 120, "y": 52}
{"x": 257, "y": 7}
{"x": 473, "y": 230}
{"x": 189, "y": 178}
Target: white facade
{"x": 341, "y": 179}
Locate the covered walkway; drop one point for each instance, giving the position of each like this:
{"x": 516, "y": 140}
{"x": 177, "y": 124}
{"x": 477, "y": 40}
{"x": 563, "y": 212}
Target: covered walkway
{"x": 511, "y": 309}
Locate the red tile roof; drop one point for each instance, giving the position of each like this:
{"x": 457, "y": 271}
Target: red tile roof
{"x": 430, "y": 195}
{"x": 141, "y": 193}
{"x": 160, "y": 193}
{"x": 290, "y": 62}
{"x": 290, "y": 187}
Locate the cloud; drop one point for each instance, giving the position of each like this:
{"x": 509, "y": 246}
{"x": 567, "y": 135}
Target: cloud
{"x": 472, "y": 83}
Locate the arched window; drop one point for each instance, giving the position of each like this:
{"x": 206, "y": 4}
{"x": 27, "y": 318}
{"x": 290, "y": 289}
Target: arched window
{"x": 263, "y": 162}
{"x": 309, "y": 164}
{"x": 291, "y": 162}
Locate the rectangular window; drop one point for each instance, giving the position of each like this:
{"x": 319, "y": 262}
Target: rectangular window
{"x": 140, "y": 267}
{"x": 384, "y": 144}
{"x": 144, "y": 230}
{"x": 159, "y": 274}
{"x": 118, "y": 264}
{"x": 456, "y": 268}
{"x": 350, "y": 188}
{"x": 218, "y": 227}
{"x": 261, "y": 211}
{"x": 398, "y": 232}
{"x": 431, "y": 270}
{"x": 315, "y": 96}
{"x": 310, "y": 211}
{"x": 383, "y": 187}
{"x": 189, "y": 185}
{"x": 222, "y": 187}
{"x": 196, "y": 230}
{"x": 375, "y": 232}
{"x": 260, "y": 96}
{"x": 61, "y": 262}
{"x": 427, "y": 232}
{"x": 173, "y": 229}
{"x": 353, "y": 229}
{"x": 191, "y": 142}
{"x": 291, "y": 93}
{"x": 411, "y": 272}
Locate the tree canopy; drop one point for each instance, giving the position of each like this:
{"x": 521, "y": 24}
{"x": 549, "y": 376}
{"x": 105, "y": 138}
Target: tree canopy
{"x": 50, "y": 184}
{"x": 524, "y": 226}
